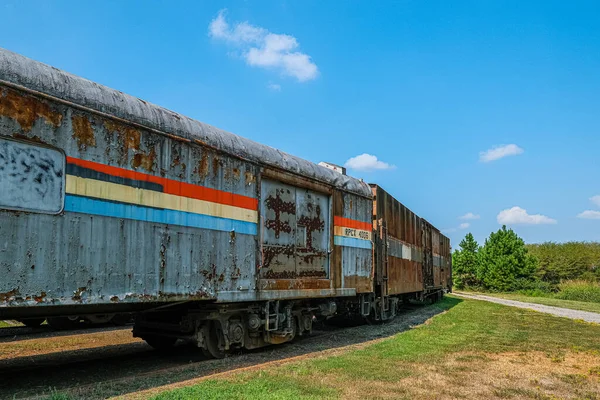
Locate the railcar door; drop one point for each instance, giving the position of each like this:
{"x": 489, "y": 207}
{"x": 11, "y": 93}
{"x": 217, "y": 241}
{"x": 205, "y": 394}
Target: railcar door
{"x": 295, "y": 232}
{"x": 427, "y": 255}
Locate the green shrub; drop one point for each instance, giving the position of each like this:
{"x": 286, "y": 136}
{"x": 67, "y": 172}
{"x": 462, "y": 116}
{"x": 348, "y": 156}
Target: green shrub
{"x": 504, "y": 262}
{"x": 579, "y": 291}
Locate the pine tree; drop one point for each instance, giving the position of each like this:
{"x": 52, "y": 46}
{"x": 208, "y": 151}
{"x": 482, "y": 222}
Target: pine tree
{"x": 465, "y": 263}
{"x": 505, "y": 264}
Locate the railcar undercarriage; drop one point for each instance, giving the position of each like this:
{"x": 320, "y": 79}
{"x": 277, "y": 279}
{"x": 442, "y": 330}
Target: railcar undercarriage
{"x": 217, "y": 329}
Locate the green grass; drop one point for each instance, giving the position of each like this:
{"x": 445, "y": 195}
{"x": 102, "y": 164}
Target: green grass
{"x": 468, "y": 327}
{"x": 10, "y": 324}
{"x": 579, "y": 291}
{"x": 253, "y": 386}
{"x": 548, "y": 301}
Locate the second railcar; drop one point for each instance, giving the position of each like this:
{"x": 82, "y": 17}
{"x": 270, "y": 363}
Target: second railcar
{"x": 412, "y": 258}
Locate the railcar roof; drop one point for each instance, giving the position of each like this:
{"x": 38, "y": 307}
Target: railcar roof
{"x": 377, "y": 186}
{"x": 39, "y": 77}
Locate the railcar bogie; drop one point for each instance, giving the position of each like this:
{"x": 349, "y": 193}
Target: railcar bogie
{"x": 220, "y": 328}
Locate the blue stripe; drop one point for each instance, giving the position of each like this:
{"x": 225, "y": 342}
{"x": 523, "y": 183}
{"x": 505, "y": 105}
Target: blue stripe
{"x": 351, "y": 242}
{"x": 88, "y": 205}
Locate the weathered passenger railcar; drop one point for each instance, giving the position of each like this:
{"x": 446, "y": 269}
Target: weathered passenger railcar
{"x": 110, "y": 204}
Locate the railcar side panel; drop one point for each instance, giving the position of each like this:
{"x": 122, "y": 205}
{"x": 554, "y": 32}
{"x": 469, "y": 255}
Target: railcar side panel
{"x": 146, "y": 217}
{"x": 405, "y": 254}
{"x": 353, "y": 247}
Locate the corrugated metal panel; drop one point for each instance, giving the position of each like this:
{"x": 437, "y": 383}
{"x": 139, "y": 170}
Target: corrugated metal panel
{"x": 353, "y": 224}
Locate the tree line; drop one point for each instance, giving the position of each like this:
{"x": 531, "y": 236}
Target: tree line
{"x": 505, "y": 263}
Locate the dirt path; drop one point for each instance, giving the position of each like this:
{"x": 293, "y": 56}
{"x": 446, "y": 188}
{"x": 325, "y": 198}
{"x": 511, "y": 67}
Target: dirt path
{"x": 557, "y": 311}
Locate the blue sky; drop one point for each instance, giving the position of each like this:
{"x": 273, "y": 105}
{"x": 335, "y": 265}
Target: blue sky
{"x": 425, "y": 87}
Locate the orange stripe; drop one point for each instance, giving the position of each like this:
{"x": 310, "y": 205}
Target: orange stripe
{"x": 173, "y": 187}
{"x": 352, "y": 223}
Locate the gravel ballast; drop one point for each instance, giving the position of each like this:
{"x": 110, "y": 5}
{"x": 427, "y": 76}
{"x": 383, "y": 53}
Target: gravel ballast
{"x": 557, "y": 311}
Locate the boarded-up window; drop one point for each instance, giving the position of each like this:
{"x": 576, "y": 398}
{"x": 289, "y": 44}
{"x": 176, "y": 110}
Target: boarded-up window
{"x": 32, "y": 177}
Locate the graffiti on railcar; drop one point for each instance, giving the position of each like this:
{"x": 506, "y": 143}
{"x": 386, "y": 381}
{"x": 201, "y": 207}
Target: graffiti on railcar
{"x": 32, "y": 177}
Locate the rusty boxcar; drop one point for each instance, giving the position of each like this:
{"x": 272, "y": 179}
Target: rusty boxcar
{"x": 111, "y": 204}
{"x": 412, "y": 257}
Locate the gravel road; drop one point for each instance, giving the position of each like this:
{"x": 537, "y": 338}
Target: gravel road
{"x": 558, "y": 311}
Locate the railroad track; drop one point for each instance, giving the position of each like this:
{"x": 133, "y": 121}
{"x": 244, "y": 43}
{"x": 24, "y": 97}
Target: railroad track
{"x": 122, "y": 368}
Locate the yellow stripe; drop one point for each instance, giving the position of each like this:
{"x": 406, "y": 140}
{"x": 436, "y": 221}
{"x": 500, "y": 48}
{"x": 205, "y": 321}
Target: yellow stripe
{"x": 351, "y": 232}
{"x": 150, "y": 198}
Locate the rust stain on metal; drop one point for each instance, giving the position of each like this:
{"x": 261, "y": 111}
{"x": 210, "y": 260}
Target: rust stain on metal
{"x": 130, "y": 136}
{"x": 311, "y": 224}
{"x": 236, "y": 273}
{"x": 232, "y": 174}
{"x": 295, "y": 284}
{"x": 83, "y": 132}
{"x": 209, "y": 275}
{"x": 279, "y": 206}
{"x": 178, "y": 138}
{"x": 26, "y": 110}
{"x": 202, "y": 168}
{"x": 291, "y": 274}
{"x": 250, "y": 178}
{"x": 362, "y": 284}
{"x": 40, "y": 298}
{"x": 8, "y": 295}
{"x": 270, "y": 252}
{"x": 176, "y": 161}
{"x": 216, "y": 163}
{"x": 77, "y": 294}
{"x": 114, "y": 299}
{"x": 144, "y": 160}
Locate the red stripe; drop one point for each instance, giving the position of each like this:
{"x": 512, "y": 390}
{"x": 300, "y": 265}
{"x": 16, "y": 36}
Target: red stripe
{"x": 352, "y": 223}
{"x": 173, "y": 187}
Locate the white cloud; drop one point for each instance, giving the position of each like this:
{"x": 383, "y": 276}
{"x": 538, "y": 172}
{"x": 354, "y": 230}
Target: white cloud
{"x": 595, "y": 200}
{"x": 469, "y": 216}
{"x": 367, "y": 162}
{"x": 518, "y": 215}
{"x": 464, "y": 225}
{"x": 274, "y": 87}
{"x": 498, "y": 152}
{"x": 261, "y": 48}
{"x": 589, "y": 214}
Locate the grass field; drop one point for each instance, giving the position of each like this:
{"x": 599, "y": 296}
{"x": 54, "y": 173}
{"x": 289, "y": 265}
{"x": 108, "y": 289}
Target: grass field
{"x": 548, "y": 301}
{"x": 474, "y": 350}
{"x": 10, "y": 324}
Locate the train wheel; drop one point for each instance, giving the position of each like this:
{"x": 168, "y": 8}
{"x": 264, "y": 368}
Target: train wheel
{"x": 33, "y": 322}
{"x": 215, "y": 341}
{"x": 160, "y": 342}
{"x": 64, "y": 323}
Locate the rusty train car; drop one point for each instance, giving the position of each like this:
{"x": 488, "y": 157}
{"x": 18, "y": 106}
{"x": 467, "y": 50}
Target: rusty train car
{"x": 110, "y": 204}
